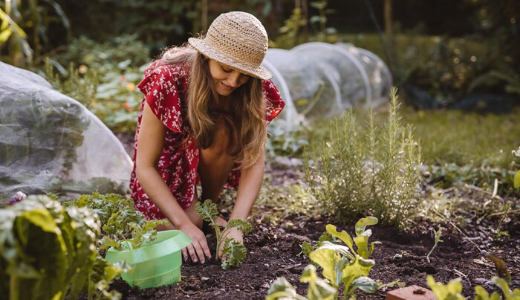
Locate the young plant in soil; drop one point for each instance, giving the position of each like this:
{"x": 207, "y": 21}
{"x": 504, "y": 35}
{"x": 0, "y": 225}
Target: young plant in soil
{"x": 233, "y": 252}
{"x": 342, "y": 266}
{"x": 453, "y": 290}
{"x": 124, "y": 228}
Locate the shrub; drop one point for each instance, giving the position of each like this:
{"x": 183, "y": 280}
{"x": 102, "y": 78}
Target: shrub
{"x": 47, "y": 251}
{"x": 375, "y": 172}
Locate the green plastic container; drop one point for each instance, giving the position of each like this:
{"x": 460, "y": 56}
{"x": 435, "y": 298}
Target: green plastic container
{"x": 153, "y": 264}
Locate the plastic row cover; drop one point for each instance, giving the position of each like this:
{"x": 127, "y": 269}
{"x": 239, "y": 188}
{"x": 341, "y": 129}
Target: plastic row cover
{"x": 319, "y": 80}
{"x": 51, "y": 143}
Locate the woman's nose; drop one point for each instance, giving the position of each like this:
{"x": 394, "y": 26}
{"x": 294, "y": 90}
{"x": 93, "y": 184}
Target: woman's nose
{"x": 233, "y": 78}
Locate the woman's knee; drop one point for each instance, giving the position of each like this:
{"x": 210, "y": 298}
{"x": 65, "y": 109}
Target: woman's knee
{"x": 221, "y": 138}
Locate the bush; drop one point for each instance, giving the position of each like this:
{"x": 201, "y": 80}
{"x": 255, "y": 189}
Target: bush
{"x": 376, "y": 171}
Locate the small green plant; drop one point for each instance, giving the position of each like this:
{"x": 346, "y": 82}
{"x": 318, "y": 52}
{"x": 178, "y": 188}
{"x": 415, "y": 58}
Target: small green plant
{"x": 233, "y": 252}
{"x": 342, "y": 266}
{"x": 48, "y": 252}
{"x": 438, "y": 240}
{"x": 374, "y": 171}
{"x": 318, "y": 289}
{"x": 516, "y": 183}
{"x": 123, "y": 227}
{"x": 453, "y": 290}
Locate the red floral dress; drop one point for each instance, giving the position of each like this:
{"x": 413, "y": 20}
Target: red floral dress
{"x": 164, "y": 87}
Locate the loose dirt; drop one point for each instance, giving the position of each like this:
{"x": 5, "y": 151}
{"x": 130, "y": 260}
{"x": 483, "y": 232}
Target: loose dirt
{"x": 273, "y": 251}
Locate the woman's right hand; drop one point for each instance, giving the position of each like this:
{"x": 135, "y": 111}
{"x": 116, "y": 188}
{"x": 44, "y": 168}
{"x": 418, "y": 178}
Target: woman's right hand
{"x": 198, "y": 249}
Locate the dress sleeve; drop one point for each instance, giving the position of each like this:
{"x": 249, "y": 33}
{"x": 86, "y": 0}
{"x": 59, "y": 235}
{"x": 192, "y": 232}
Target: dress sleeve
{"x": 274, "y": 103}
{"x": 160, "y": 87}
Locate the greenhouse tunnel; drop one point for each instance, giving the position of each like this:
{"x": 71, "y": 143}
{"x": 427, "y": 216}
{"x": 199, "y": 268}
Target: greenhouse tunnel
{"x": 319, "y": 80}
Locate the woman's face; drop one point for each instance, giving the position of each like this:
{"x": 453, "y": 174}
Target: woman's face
{"x": 226, "y": 79}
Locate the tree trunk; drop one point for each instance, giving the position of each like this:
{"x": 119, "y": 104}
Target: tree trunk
{"x": 388, "y": 27}
{"x": 204, "y": 19}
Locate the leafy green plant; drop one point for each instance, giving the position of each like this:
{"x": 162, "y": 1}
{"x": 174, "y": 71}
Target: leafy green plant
{"x": 47, "y": 251}
{"x": 233, "y": 252}
{"x": 438, "y": 240}
{"x": 123, "y": 227}
{"x": 376, "y": 171}
{"x": 342, "y": 266}
{"x": 453, "y": 290}
{"x": 321, "y": 19}
{"x": 318, "y": 289}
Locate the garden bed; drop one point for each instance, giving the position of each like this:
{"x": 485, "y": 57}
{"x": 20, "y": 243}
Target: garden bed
{"x": 274, "y": 248}
{"x": 273, "y": 252}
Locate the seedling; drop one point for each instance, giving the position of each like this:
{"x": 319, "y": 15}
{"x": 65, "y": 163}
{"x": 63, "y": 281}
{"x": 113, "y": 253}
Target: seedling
{"x": 438, "y": 240}
{"x": 233, "y": 252}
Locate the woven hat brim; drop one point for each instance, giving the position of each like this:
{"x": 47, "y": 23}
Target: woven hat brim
{"x": 258, "y": 72}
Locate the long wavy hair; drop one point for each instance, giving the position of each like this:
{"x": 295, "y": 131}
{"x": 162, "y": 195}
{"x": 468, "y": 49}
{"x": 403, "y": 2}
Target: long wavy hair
{"x": 247, "y": 122}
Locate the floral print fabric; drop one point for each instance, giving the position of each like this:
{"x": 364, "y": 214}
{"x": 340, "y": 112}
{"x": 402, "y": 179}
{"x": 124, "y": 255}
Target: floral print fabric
{"x": 164, "y": 87}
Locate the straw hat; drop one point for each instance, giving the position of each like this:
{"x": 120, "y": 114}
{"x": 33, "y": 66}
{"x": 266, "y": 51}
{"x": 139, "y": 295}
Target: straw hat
{"x": 238, "y": 40}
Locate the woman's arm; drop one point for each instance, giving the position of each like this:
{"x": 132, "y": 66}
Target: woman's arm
{"x": 149, "y": 149}
{"x": 250, "y": 183}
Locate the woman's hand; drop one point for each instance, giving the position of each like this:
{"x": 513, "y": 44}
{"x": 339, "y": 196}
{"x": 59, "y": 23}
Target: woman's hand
{"x": 198, "y": 249}
{"x": 232, "y": 233}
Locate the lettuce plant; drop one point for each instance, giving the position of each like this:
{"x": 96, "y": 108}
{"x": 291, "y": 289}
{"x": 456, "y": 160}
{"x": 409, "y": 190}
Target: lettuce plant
{"x": 343, "y": 265}
{"x": 233, "y": 252}
{"x": 47, "y": 251}
{"x": 453, "y": 290}
{"x": 122, "y": 225}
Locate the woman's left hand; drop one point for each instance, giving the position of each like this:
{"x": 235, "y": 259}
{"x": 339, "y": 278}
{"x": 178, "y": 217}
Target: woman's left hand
{"x": 232, "y": 233}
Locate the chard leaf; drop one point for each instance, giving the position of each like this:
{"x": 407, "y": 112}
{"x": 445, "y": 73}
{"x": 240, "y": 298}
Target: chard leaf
{"x": 359, "y": 267}
{"x": 450, "y": 291}
{"x": 516, "y": 180}
{"x": 363, "y": 223}
{"x": 282, "y": 289}
{"x": 240, "y": 224}
{"x": 366, "y": 284}
{"x": 343, "y": 235}
{"x": 508, "y": 294}
{"x": 234, "y": 253}
{"x": 318, "y": 289}
{"x": 361, "y": 239}
{"x": 327, "y": 257}
{"x": 482, "y": 294}
{"x": 208, "y": 211}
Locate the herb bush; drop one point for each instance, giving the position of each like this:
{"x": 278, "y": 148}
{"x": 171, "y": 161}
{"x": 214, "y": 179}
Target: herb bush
{"x": 376, "y": 171}
{"x": 48, "y": 252}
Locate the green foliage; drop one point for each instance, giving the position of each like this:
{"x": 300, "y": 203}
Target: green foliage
{"x": 35, "y": 17}
{"x": 318, "y": 288}
{"x": 376, "y": 171}
{"x": 119, "y": 219}
{"x": 233, "y": 252}
{"x": 286, "y": 139}
{"x": 47, "y": 251}
{"x": 321, "y": 19}
{"x": 438, "y": 240}
{"x": 105, "y": 81}
{"x": 289, "y": 36}
{"x": 453, "y": 290}
{"x": 516, "y": 183}
{"x": 341, "y": 265}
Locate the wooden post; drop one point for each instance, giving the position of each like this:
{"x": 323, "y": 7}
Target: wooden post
{"x": 204, "y": 19}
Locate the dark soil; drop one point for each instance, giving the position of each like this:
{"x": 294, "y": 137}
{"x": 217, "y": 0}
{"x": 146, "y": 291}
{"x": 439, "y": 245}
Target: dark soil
{"x": 273, "y": 252}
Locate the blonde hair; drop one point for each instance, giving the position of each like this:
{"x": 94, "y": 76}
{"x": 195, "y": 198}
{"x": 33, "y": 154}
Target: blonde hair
{"x": 247, "y": 108}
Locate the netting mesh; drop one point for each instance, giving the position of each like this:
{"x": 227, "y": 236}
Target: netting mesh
{"x": 322, "y": 80}
{"x": 51, "y": 143}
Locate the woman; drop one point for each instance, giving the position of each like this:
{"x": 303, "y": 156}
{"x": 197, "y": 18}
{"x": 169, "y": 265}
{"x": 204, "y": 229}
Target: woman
{"x": 204, "y": 119}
